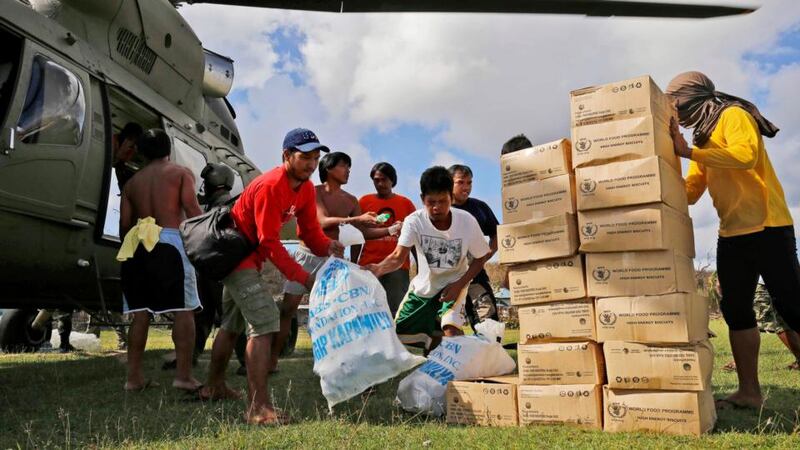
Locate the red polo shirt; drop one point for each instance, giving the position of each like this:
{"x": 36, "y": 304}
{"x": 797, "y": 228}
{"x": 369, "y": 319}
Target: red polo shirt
{"x": 266, "y": 204}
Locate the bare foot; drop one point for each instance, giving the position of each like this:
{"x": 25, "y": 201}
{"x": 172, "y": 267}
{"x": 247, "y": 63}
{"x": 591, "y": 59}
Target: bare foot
{"x": 186, "y": 385}
{"x": 140, "y": 386}
{"x": 267, "y": 415}
{"x": 222, "y": 392}
{"x": 738, "y": 400}
{"x": 730, "y": 367}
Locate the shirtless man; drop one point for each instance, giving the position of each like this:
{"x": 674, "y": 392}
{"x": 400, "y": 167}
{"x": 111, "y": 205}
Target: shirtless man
{"x": 335, "y": 207}
{"x": 156, "y": 275}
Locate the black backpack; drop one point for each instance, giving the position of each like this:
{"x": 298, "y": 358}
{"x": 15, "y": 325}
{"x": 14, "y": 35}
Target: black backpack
{"x": 213, "y": 244}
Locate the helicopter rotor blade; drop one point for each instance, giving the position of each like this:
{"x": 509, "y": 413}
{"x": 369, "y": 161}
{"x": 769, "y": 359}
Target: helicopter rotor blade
{"x": 603, "y": 8}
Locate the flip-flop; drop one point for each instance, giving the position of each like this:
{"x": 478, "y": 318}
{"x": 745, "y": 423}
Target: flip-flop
{"x": 147, "y": 385}
{"x": 197, "y": 396}
{"x": 726, "y": 404}
{"x": 730, "y": 367}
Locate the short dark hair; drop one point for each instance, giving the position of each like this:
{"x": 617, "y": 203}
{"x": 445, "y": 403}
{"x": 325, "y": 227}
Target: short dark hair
{"x": 455, "y": 168}
{"x": 154, "y": 143}
{"x": 517, "y": 142}
{"x": 330, "y": 161}
{"x": 131, "y": 130}
{"x": 386, "y": 169}
{"x": 435, "y": 180}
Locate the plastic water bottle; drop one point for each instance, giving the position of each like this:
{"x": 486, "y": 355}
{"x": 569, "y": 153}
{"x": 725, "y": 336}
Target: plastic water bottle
{"x": 383, "y": 217}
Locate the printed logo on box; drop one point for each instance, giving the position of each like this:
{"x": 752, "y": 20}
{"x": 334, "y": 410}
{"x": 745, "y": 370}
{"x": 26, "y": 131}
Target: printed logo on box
{"x": 588, "y": 186}
{"x": 607, "y": 318}
{"x": 601, "y": 274}
{"x": 617, "y": 410}
{"x": 583, "y": 145}
{"x": 509, "y": 241}
{"x": 511, "y": 204}
{"x": 589, "y": 230}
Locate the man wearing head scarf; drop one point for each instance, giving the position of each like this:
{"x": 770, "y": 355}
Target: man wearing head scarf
{"x": 756, "y": 233}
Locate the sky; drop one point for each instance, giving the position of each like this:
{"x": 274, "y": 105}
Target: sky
{"x": 418, "y": 90}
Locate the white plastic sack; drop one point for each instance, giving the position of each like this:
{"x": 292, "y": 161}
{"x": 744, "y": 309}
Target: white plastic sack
{"x": 81, "y": 341}
{"x": 350, "y": 235}
{"x": 456, "y": 358}
{"x": 353, "y": 339}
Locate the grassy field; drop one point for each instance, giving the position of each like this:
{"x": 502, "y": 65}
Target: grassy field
{"x": 52, "y": 400}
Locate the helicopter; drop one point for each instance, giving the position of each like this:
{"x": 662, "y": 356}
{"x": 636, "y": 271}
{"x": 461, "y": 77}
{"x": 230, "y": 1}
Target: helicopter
{"x": 73, "y": 73}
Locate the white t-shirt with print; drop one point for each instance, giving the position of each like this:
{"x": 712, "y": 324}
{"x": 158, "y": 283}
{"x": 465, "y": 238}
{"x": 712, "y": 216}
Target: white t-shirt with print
{"x": 442, "y": 255}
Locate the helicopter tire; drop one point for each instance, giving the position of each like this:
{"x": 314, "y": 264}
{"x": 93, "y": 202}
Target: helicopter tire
{"x": 291, "y": 340}
{"x": 16, "y": 333}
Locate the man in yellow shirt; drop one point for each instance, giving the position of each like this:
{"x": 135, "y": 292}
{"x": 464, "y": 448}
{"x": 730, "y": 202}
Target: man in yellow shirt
{"x": 756, "y": 233}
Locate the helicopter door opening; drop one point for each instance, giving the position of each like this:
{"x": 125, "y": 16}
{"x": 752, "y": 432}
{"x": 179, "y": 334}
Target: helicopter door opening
{"x": 127, "y": 114}
{"x": 42, "y": 142}
{"x": 10, "y": 50}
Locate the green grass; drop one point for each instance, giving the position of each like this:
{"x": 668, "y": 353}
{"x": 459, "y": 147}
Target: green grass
{"x": 52, "y": 400}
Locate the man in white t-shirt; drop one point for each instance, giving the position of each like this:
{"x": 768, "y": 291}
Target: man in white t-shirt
{"x": 444, "y": 238}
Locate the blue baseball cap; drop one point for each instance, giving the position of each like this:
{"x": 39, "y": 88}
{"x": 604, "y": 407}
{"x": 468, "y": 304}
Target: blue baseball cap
{"x": 304, "y": 140}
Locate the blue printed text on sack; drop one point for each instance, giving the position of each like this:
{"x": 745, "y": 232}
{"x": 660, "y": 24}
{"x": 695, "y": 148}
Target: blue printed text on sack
{"x": 347, "y": 332}
{"x": 438, "y": 372}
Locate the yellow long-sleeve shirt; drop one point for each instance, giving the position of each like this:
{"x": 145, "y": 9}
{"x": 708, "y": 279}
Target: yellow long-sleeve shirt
{"x": 735, "y": 168}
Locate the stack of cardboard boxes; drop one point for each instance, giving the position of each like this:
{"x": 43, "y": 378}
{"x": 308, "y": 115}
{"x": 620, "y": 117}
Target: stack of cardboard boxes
{"x": 560, "y": 364}
{"x": 625, "y": 310}
{"x": 635, "y": 230}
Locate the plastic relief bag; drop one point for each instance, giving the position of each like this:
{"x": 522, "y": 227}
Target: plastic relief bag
{"x": 353, "y": 338}
{"x": 456, "y": 358}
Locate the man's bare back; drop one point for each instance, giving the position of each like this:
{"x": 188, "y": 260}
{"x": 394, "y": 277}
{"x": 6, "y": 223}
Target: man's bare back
{"x": 162, "y": 190}
{"x": 336, "y": 204}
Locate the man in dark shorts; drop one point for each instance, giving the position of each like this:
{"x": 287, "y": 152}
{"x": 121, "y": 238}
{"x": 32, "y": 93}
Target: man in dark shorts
{"x": 157, "y": 277}
{"x": 481, "y": 304}
{"x": 267, "y": 203}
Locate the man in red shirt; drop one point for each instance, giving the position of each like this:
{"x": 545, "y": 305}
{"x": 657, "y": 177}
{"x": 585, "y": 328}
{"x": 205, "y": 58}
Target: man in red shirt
{"x": 266, "y": 204}
{"x": 397, "y": 207}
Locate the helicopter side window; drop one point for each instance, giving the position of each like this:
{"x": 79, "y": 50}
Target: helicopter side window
{"x": 55, "y": 106}
{"x": 187, "y": 156}
{"x": 238, "y": 184}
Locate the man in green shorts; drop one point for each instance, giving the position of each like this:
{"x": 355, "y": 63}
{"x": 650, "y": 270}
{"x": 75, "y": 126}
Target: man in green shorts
{"x": 769, "y": 321}
{"x": 451, "y": 251}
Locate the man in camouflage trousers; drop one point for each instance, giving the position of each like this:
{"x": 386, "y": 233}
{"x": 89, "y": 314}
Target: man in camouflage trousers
{"x": 769, "y": 321}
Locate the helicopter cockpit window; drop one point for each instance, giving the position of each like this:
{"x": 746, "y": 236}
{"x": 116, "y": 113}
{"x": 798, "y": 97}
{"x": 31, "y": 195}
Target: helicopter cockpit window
{"x": 187, "y": 156}
{"x": 54, "y": 108}
{"x": 238, "y": 184}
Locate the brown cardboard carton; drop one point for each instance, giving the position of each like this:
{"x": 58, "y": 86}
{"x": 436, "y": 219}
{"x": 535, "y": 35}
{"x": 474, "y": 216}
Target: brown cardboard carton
{"x": 536, "y": 163}
{"x": 638, "y": 273}
{"x": 560, "y": 363}
{"x": 635, "y": 182}
{"x": 623, "y": 140}
{"x": 637, "y": 97}
{"x": 672, "y": 412}
{"x": 575, "y": 404}
{"x": 673, "y": 318}
{"x": 487, "y": 401}
{"x": 654, "y": 226}
{"x": 684, "y": 367}
{"x": 537, "y": 239}
{"x": 559, "y": 321}
{"x": 540, "y": 198}
{"x": 547, "y": 281}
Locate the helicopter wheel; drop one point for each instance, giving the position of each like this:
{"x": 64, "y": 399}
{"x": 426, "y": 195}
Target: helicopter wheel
{"x": 16, "y": 333}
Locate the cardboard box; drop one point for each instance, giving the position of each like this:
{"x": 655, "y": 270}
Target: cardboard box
{"x": 683, "y": 413}
{"x": 673, "y": 318}
{"x": 654, "y": 226}
{"x": 636, "y": 182}
{"x": 631, "y": 365}
{"x": 575, "y": 404}
{"x": 636, "y": 97}
{"x": 560, "y": 321}
{"x": 547, "y": 281}
{"x": 560, "y": 363}
{"x": 537, "y": 239}
{"x": 623, "y": 140}
{"x": 536, "y": 163}
{"x": 638, "y": 273}
{"x": 540, "y": 198}
{"x": 487, "y": 401}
